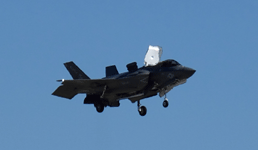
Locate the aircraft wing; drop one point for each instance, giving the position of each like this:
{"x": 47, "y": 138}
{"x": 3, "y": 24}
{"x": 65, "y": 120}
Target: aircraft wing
{"x": 70, "y": 88}
{"x": 153, "y": 55}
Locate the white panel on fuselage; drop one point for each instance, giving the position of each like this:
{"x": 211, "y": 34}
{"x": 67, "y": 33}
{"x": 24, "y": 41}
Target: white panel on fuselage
{"x": 153, "y": 55}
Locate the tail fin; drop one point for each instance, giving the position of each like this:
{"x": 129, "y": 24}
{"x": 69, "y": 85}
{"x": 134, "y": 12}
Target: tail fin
{"x": 75, "y": 71}
{"x": 111, "y": 70}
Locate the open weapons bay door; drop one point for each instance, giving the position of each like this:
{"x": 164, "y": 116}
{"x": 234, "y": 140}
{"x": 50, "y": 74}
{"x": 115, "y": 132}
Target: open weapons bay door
{"x": 153, "y": 55}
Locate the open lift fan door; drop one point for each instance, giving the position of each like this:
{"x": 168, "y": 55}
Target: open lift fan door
{"x": 153, "y": 55}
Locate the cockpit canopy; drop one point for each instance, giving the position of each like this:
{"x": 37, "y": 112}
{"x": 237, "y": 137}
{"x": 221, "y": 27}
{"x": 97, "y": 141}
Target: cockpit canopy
{"x": 169, "y": 63}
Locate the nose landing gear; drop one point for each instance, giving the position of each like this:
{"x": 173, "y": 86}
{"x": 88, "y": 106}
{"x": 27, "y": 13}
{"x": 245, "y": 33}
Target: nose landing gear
{"x": 141, "y": 109}
{"x": 165, "y": 102}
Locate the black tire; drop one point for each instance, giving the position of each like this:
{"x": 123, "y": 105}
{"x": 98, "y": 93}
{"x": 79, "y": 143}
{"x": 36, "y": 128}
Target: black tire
{"x": 165, "y": 103}
{"x": 142, "y": 110}
{"x": 100, "y": 108}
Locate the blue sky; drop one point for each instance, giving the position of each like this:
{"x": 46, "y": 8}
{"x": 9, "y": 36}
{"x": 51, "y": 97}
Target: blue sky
{"x": 216, "y": 109}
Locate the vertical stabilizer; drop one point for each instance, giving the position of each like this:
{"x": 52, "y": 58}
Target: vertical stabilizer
{"x": 75, "y": 71}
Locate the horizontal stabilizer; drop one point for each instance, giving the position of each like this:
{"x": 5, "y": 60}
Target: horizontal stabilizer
{"x": 65, "y": 91}
{"x": 111, "y": 70}
{"x": 75, "y": 71}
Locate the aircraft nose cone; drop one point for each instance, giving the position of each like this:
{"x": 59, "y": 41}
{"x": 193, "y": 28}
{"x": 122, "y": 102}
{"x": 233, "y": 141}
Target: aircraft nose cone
{"x": 189, "y": 72}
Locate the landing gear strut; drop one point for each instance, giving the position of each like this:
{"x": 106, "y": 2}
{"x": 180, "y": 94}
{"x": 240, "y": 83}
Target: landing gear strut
{"x": 165, "y": 102}
{"x": 142, "y": 109}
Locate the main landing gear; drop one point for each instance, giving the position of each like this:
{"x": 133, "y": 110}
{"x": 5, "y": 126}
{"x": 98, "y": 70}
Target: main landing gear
{"x": 165, "y": 102}
{"x": 142, "y": 109}
{"x": 99, "y": 107}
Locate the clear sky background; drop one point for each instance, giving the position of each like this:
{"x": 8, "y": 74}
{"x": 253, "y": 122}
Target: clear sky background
{"x": 216, "y": 109}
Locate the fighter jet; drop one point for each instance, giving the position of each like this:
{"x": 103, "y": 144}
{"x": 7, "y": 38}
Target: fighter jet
{"x": 155, "y": 77}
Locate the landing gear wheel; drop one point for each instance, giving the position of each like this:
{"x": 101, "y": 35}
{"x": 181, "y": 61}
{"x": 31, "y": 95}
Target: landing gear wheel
{"x": 100, "y": 108}
{"x": 165, "y": 103}
{"x": 142, "y": 110}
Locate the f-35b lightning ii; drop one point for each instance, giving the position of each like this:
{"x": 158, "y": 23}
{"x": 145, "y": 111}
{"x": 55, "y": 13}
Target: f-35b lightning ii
{"x": 153, "y": 78}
